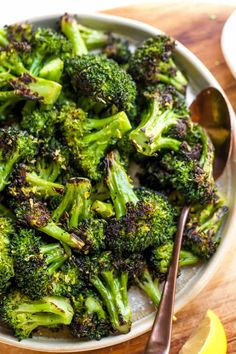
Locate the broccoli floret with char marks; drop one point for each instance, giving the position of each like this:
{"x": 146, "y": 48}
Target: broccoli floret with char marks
{"x": 89, "y": 139}
{"x": 23, "y": 315}
{"x": 16, "y": 35}
{"x": 75, "y": 210}
{"x": 35, "y": 263}
{"x": 143, "y": 217}
{"x": 15, "y": 146}
{"x": 186, "y": 171}
{"x": 103, "y": 81}
{"x": 90, "y": 320}
{"x": 165, "y": 112}
{"x": 161, "y": 257}
{"x": 40, "y": 123}
{"x": 67, "y": 281}
{"x": 153, "y": 62}
{"x": 200, "y": 234}
{"x": 17, "y": 83}
{"x": 6, "y": 261}
{"x": 111, "y": 281}
{"x": 47, "y": 44}
{"x": 35, "y": 214}
{"x": 117, "y": 49}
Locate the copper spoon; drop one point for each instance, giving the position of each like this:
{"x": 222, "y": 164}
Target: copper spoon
{"x": 213, "y": 112}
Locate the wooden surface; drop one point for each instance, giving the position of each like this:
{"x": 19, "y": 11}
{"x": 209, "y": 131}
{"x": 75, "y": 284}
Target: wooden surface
{"x": 198, "y": 27}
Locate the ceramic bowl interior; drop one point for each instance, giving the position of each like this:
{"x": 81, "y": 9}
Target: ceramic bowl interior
{"x": 191, "y": 280}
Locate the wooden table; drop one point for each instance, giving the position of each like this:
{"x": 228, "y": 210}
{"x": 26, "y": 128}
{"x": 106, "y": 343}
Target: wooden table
{"x": 198, "y": 27}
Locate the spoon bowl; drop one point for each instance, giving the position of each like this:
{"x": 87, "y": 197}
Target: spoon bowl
{"x": 210, "y": 109}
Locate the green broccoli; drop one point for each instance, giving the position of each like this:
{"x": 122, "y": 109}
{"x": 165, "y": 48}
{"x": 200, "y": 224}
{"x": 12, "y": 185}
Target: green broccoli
{"x": 6, "y": 260}
{"x": 24, "y": 315}
{"x": 161, "y": 257}
{"x": 89, "y": 139}
{"x": 143, "y": 217}
{"x": 200, "y": 234}
{"x": 15, "y": 146}
{"x": 102, "y": 81}
{"x": 188, "y": 171}
{"x": 75, "y": 210}
{"x": 90, "y": 321}
{"x": 35, "y": 214}
{"x": 69, "y": 26}
{"x": 17, "y": 83}
{"x": 111, "y": 282}
{"x": 35, "y": 263}
{"x": 153, "y": 62}
{"x": 165, "y": 111}
{"x": 47, "y": 45}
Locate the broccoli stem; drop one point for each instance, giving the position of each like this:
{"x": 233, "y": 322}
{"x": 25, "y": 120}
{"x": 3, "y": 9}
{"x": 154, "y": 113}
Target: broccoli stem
{"x": 3, "y": 39}
{"x": 58, "y": 233}
{"x": 121, "y": 190}
{"x": 48, "y": 90}
{"x": 69, "y": 27}
{"x": 55, "y": 256}
{"x": 105, "y": 210}
{"x": 150, "y": 286}
{"x": 93, "y": 306}
{"x": 187, "y": 258}
{"x": 6, "y": 168}
{"x": 147, "y": 137}
{"x": 115, "y": 296}
{"x": 93, "y": 39}
{"x": 178, "y": 80}
{"x": 52, "y": 70}
{"x": 76, "y": 201}
{"x": 43, "y": 186}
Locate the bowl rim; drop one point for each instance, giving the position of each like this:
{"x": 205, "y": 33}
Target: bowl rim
{"x": 141, "y": 326}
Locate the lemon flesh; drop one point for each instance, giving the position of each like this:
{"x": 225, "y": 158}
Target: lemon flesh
{"x": 209, "y": 337}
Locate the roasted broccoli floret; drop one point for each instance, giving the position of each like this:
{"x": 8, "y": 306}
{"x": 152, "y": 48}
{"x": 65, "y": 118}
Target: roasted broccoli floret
{"x": 111, "y": 281}
{"x": 90, "y": 320}
{"x": 24, "y": 315}
{"x": 89, "y": 139}
{"x": 143, "y": 217}
{"x": 16, "y": 35}
{"x": 153, "y": 62}
{"x": 15, "y": 146}
{"x": 17, "y": 83}
{"x": 165, "y": 111}
{"x": 6, "y": 260}
{"x": 117, "y": 49}
{"x": 161, "y": 257}
{"x": 103, "y": 81}
{"x": 200, "y": 234}
{"x": 46, "y": 45}
{"x": 67, "y": 281}
{"x": 75, "y": 210}
{"x": 27, "y": 183}
{"x": 35, "y": 214}
{"x": 40, "y": 123}
{"x": 148, "y": 282}
{"x": 35, "y": 263}
{"x": 186, "y": 171}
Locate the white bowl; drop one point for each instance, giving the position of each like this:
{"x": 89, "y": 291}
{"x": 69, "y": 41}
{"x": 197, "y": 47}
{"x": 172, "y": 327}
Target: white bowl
{"x": 228, "y": 44}
{"x": 192, "y": 282}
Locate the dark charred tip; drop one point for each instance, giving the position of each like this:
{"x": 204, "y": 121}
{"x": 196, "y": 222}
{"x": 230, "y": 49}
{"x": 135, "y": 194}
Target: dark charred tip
{"x": 69, "y": 18}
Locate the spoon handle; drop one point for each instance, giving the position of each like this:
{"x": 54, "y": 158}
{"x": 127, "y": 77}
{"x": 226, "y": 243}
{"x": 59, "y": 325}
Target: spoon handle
{"x": 160, "y": 337}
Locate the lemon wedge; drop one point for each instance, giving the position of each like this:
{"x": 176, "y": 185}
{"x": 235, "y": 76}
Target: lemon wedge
{"x": 209, "y": 337}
